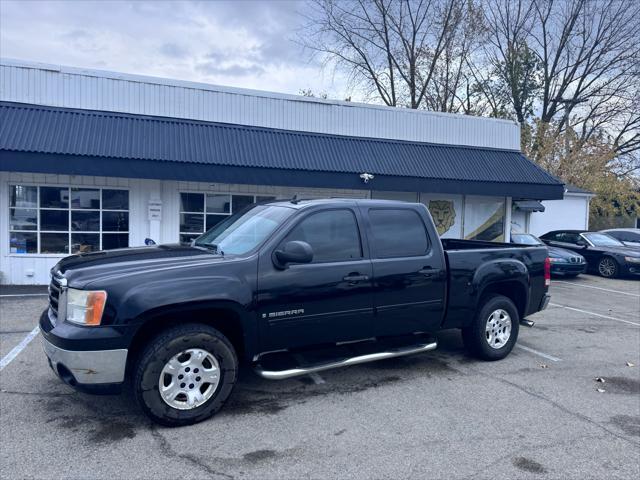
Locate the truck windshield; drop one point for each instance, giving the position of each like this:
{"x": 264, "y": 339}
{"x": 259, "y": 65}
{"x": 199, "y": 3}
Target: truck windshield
{"x": 245, "y": 230}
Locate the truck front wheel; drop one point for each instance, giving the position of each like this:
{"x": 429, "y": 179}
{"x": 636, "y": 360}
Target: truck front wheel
{"x": 185, "y": 374}
{"x": 494, "y": 331}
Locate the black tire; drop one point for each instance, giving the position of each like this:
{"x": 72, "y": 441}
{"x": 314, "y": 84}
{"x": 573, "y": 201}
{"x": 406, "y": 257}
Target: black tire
{"x": 608, "y": 267}
{"x": 475, "y": 335}
{"x": 164, "y": 347}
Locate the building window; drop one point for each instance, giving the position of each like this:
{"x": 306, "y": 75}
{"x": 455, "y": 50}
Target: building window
{"x": 200, "y": 212}
{"x": 64, "y": 220}
{"x": 484, "y": 218}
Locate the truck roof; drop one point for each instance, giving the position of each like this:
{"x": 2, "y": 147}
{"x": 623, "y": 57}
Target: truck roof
{"x": 302, "y": 203}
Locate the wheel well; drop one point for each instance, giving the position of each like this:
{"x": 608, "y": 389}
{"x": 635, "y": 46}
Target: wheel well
{"x": 226, "y": 321}
{"x": 515, "y": 291}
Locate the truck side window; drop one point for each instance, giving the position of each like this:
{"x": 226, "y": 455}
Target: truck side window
{"x": 398, "y": 233}
{"x": 332, "y": 234}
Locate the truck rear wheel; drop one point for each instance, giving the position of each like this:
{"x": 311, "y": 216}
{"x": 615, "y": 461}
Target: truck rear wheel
{"x": 494, "y": 331}
{"x": 185, "y": 375}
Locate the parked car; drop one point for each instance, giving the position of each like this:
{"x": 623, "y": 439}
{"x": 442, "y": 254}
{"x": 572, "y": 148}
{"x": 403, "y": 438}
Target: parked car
{"x": 629, "y": 236}
{"x": 563, "y": 262}
{"x": 604, "y": 254}
{"x": 340, "y": 281}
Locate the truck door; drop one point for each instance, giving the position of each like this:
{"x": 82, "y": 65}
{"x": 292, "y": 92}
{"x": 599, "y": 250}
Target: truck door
{"x": 326, "y": 301}
{"x": 408, "y": 269}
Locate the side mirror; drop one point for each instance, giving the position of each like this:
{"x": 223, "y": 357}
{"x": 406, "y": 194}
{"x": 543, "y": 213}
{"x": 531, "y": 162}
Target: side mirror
{"x": 149, "y": 241}
{"x": 295, "y": 251}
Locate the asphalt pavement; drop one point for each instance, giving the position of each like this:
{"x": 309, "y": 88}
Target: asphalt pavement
{"x": 536, "y": 414}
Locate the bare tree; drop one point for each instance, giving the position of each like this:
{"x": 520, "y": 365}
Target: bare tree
{"x": 571, "y": 65}
{"x": 409, "y": 53}
{"x": 567, "y": 70}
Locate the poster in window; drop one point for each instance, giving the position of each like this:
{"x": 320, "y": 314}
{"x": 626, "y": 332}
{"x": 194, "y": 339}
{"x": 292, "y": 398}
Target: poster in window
{"x": 484, "y": 218}
{"x": 446, "y": 211}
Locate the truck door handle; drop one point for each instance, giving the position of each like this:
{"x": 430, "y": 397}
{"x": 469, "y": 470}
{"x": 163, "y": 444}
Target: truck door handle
{"x": 354, "y": 278}
{"x": 428, "y": 271}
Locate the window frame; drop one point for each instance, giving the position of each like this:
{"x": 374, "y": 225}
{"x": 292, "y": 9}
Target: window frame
{"x": 374, "y": 255}
{"x": 298, "y": 221}
{"x": 204, "y": 213}
{"x": 38, "y": 231}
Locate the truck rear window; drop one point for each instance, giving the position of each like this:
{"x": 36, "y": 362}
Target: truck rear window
{"x": 397, "y": 233}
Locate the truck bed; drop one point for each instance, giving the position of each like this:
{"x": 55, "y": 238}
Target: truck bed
{"x": 471, "y": 262}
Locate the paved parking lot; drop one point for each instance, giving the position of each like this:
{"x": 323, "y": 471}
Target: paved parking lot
{"x": 536, "y": 414}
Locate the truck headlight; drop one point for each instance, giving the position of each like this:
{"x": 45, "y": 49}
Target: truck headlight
{"x": 85, "y": 307}
{"x": 632, "y": 259}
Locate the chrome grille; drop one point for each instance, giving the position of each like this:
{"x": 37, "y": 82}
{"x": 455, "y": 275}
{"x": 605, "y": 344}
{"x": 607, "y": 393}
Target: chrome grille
{"x": 55, "y": 291}
{"x": 575, "y": 260}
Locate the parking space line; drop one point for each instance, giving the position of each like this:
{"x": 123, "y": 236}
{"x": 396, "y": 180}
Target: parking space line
{"x": 554, "y": 282}
{"x": 595, "y": 314}
{"x": 317, "y": 379}
{"x": 25, "y": 295}
{"x": 6, "y": 360}
{"x": 541, "y": 354}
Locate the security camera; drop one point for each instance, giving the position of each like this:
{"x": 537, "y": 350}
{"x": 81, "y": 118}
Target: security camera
{"x": 366, "y": 177}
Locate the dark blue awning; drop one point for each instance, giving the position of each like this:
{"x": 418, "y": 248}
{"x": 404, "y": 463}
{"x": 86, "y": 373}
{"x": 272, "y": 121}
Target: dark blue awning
{"x": 84, "y": 142}
{"x": 529, "y": 206}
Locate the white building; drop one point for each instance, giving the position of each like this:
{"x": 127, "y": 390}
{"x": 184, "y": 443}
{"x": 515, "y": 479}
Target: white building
{"x": 570, "y": 213}
{"x": 95, "y": 160}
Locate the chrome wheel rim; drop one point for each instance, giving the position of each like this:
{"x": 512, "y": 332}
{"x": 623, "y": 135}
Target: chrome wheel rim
{"x": 498, "y": 329}
{"x": 189, "y": 379}
{"x": 606, "y": 267}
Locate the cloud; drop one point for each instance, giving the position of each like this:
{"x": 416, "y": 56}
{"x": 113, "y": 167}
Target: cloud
{"x": 174, "y": 50}
{"x": 236, "y": 43}
{"x": 232, "y": 70}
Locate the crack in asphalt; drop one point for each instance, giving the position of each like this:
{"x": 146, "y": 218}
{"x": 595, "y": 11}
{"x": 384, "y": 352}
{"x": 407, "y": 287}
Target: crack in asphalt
{"x": 39, "y": 394}
{"x": 539, "y": 396}
{"x": 168, "y": 450}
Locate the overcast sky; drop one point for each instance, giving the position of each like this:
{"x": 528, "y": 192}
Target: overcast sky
{"x": 237, "y": 43}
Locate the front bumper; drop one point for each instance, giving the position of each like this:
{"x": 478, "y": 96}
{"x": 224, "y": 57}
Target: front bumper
{"x": 86, "y": 367}
{"x": 94, "y": 370}
{"x": 632, "y": 268}
{"x": 568, "y": 268}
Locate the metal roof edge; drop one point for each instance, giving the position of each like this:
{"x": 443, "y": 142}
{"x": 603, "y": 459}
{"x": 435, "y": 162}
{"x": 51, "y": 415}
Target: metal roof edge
{"x": 234, "y": 90}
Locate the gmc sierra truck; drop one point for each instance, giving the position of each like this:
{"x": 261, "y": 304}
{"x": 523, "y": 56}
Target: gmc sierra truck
{"x": 286, "y": 288}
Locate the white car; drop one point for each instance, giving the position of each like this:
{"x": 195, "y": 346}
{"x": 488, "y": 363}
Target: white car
{"x": 629, "y": 236}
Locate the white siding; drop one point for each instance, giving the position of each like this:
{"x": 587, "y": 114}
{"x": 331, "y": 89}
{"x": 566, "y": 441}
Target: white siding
{"x": 28, "y": 82}
{"x": 568, "y": 214}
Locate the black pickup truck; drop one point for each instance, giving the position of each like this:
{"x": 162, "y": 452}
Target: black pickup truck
{"x": 287, "y": 288}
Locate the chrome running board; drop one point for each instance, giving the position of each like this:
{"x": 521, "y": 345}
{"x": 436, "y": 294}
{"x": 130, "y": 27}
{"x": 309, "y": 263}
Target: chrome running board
{"x": 371, "y": 357}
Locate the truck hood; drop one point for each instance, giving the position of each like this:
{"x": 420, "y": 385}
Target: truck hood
{"x": 81, "y": 270}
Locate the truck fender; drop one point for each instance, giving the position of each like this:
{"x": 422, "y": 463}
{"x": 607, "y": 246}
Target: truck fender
{"x": 159, "y": 294}
{"x": 493, "y": 272}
